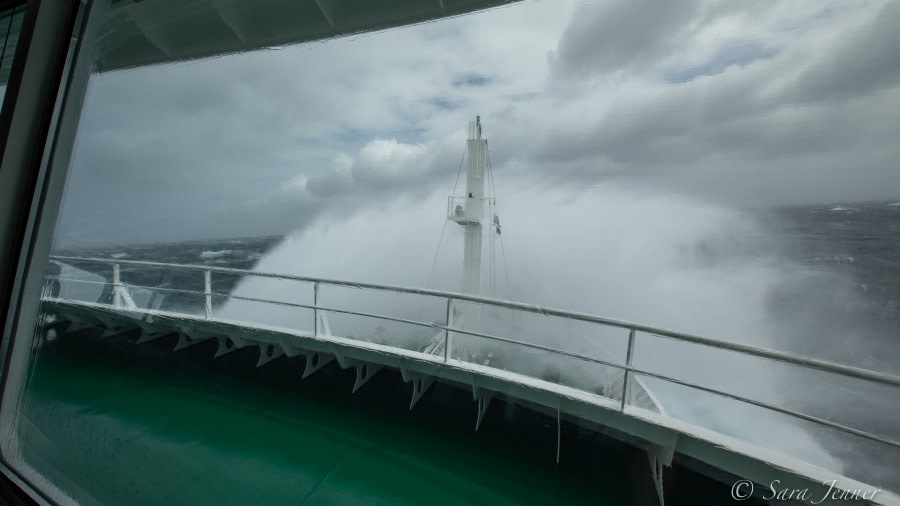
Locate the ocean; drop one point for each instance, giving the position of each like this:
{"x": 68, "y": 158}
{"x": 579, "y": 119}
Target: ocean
{"x": 847, "y": 303}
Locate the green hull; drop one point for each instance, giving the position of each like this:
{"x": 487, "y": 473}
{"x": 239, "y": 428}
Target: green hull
{"x": 113, "y": 427}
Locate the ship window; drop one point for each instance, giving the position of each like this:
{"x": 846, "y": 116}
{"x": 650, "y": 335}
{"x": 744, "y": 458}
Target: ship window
{"x": 10, "y": 26}
{"x": 269, "y": 264}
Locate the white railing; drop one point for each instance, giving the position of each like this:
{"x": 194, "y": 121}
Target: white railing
{"x": 121, "y": 300}
{"x": 459, "y": 207}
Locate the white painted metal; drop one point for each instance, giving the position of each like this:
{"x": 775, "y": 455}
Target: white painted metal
{"x": 316, "y": 361}
{"x": 447, "y": 331}
{"x": 117, "y": 284}
{"x": 628, "y": 375}
{"x": 665, "y": 434}
{"x": 316, "y": 308}
{"x": 228, "y": 344}
{"x": 121, "y": 297}
{"x": 269, "y": 352}
{"x": 788, "y": 358}
{"x": 207, "y": 292}
{"x": 420, "y": 386}
{"x": 364, "y": 372}
{"x": 474, "y": 209}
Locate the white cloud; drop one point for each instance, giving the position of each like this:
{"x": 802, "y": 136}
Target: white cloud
{"x": 296, "y": 184}
{"x": 390, "y": 157}
{"x": 703, "y": 98}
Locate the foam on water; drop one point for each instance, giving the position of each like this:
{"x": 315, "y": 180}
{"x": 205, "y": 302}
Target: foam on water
{"x": 206, "y": 255}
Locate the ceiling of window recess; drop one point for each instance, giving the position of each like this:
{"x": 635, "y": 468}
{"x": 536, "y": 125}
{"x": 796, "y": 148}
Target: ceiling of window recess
{"x": 146, "y": 32}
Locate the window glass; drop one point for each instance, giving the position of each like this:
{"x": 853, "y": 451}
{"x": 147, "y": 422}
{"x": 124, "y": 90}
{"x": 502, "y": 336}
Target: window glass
{"x": 10, "y": 26}
{"x": 272, "y": 205}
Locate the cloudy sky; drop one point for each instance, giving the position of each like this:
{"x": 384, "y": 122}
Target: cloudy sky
{"x": 748, "y": 104}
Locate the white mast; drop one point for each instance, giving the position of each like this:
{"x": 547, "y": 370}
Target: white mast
{"x": 474, "y": 209}
{"x": 468, "y": 211}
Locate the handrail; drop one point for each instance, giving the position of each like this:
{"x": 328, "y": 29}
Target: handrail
{"x": 845, "y": 370}
{"x": 628, "y": 368}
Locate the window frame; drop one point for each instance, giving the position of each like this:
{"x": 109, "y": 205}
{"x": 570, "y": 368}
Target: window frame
{"x": 40, "y": 109}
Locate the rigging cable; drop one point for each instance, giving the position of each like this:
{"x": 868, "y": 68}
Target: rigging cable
{"x": 444, "y": 228}
{"x": 502, "y": 249}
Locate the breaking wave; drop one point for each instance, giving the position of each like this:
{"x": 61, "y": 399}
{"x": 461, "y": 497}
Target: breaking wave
{"x": 662, "y": 260}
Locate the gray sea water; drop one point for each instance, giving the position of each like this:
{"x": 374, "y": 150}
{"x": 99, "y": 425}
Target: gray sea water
{"x": 848, "y": 304}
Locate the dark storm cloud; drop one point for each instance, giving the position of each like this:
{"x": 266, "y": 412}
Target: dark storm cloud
{"x": 608, "y": 36}
{"x": 750, "y": 112}
{"x": 866, "y": 61}
{"x": 696, "y": 97}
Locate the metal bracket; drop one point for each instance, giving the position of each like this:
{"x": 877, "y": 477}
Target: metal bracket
{"x": 148, "y": 334}
{"x": 364, "y": 372}
{"x": 227, "y": 345}
{"x": 112, "y": 330}
{"x": 269, "y": 352}
{"x": 291, "y": 351}
{"x": 420, "y": 383}
{"x": 314, "y": 362}
{"x": 437, "y": 345}
{"x": 76, "y": 325}
{"x": 123, "y": 299}
{"x": 185, "y": 339}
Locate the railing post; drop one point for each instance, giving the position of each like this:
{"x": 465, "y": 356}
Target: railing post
{"x": 117, "y": 287}
{"x": 626, "y": 382}
{"x": 316, "y": 308}
{"x": 207, "y": 291}
{"x": 447, "y": 331}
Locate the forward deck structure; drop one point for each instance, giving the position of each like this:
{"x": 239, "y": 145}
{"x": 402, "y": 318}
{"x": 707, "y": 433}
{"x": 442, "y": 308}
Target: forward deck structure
{"x": 469, "y": 210}
{"x": 615, "y": 400}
